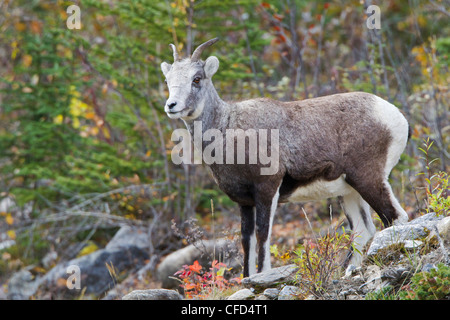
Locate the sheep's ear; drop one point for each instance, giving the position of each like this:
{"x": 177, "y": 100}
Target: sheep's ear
{"x": 165, "y": 67}
{"x": 211, "y": 66}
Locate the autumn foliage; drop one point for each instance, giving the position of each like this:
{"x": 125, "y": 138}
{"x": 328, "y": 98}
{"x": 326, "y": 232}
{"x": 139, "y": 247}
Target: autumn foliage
{"x": 198, "y": 283}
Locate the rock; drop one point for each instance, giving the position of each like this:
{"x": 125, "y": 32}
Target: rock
{"x": 8, "y": 204}
{"x": 243, "y": 294}
{"x": 396, "y": 275}
{"x": 351, "y": 271}
{"x": 416, "y": 229}
{"x": 201, "y": 251}
{"x": 125, "y": 253}
{"x": 271, "y": 277}
{"x": 347, "y": 294}
{"x": 443, "y": 228}
{"x": 271, "y": 293}
{"x": 6, "y": 244}
{"x": 153, "y": 294}
{"x": 289, "y": 293}
{"x": 428, "y": 267}
{"x": 374, "y": 280}
{"x": 49, "y": 259}
{"x": 22, "y": 286}
{"x": 412, "y": 244}
{"x": 129, "y": 236}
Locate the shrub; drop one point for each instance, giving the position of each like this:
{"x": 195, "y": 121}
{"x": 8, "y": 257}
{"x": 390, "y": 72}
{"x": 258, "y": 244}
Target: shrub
{"x": 200, "y": 284}
{"x": 432, "y": 285}
{"x": 319, "y": 261}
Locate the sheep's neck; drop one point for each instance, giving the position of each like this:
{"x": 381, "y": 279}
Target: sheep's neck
{"x": 212, "y": 115}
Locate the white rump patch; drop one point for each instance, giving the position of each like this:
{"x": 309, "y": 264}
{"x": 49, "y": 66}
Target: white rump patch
{"x": 392, "y": 118}
{"x": 321, "y": 189}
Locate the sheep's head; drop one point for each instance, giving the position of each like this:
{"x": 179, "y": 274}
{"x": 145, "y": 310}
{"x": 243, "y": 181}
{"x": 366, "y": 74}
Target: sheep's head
{"x": 189, "y": 81}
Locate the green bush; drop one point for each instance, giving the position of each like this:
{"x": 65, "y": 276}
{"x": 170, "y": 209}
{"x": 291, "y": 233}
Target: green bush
{"x": 432, "y": 285}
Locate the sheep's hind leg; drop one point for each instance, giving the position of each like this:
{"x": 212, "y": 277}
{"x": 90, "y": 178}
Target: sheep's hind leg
{"x": 377, "y": 192}
{"x": 358, "y": 214}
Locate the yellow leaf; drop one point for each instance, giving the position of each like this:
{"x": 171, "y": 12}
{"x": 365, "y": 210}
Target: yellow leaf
{"x": 130, "y": 216}
{"x": 58, "y": 119}
{"x": 421, "y": 20}
{"x": 20, "y": 26}
{"x": 94, "y": 131}
{"x": 9, "y": 219}
{"x": 15, "y": 50}
{"x": 91, "y": 247}
{"x": 286, "y": 256}
{"x": 11, "y": 234}
{"x": 90, "y": 115}
{"x": 26, "y": 60}
{"x": 39, "y": 269}
{"x": 76, "y": 123}
{"x": 221, "y": 271}
{"x": 106, "y": 133}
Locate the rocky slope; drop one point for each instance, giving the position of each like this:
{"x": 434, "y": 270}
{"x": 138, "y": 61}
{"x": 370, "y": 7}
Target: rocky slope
{"x": 393, "y": 257}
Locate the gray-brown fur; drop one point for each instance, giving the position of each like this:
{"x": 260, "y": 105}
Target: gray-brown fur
{"x": 321, "y": 139}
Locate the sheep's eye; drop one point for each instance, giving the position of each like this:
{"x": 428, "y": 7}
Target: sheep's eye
{"x": 196, "y": 80}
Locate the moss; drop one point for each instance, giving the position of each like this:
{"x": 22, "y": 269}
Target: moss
{"x": 389, "y": 254}
{"x": 431, "y": 243}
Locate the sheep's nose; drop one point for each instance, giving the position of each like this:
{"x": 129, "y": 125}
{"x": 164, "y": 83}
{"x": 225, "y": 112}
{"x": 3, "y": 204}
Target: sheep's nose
{"x": 172, "y": 105}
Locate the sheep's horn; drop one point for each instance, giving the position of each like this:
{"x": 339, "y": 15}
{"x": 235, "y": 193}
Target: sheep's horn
{"x": 175, "y": 52}
{"x": 200, "y": 48}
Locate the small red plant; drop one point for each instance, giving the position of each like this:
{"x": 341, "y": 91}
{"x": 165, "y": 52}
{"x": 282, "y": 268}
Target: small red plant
{"x": 198, "y": 283}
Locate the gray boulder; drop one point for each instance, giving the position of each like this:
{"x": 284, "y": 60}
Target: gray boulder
{"x": 416, "y": 229}
{"x": 95, "y": 277}
{"x": 289, "y": 293}
{"x": 98, "y": 271}
{"x": 271, "y": 278}
{"x": 153, "y": 294}
{"x": 243, "y": 294}
{"x": 22, "y": 286}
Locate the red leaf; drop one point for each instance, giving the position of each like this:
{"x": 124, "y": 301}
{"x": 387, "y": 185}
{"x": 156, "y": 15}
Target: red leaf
{"x": 278, "y": 17}
{"x": 196, "y": 267}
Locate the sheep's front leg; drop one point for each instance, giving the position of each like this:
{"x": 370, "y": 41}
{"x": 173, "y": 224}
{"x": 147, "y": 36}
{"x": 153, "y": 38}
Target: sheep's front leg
{"x": 248, "y": 239}
{"x": 266, "y": 207}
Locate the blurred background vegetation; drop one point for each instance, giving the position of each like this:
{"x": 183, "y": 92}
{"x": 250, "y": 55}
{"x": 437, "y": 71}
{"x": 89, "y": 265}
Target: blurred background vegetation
{"x": 84, "y": 140}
